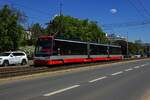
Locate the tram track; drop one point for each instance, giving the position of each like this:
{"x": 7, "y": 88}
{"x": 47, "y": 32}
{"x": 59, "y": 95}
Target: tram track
{"x": 28, "y": 70}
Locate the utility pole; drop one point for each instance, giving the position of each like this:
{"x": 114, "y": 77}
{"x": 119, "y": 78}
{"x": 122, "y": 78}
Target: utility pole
{"x": 127, "y": 46}
{"x": 88, "y": 46}
{"x": 60, "y": 21}
{"x": 108, "y": 49}
{"x": 60, "y": 28}
{"x": 60, "y": 8}
{"x": 88, "y": 49}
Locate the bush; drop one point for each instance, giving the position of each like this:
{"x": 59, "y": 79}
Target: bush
{"x": 29, "y": 50}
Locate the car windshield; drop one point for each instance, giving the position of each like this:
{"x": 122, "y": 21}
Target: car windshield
{"x": 4, "y": 54}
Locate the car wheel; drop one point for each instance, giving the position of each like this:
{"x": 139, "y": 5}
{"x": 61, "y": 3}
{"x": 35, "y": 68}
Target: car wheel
{"x": 5, "y": 63}
{"x": 24, "y": 62}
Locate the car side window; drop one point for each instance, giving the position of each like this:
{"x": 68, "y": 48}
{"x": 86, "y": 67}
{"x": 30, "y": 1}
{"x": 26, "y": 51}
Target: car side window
{"x": 14, "y": 54}
{"x": 18, "y": 54}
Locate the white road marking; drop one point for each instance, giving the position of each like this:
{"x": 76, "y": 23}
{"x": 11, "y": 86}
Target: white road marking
{"x": 137, "y": 67}
{"x": 61, "y": 90}
{"x": 117, "y": 73}
{"x": 97, "y": 79}
{"x": 142, "y": 65}
{"x": 128, "y": 69}
{"x": 75, "y": 86}
{"x": 146, "y": 64}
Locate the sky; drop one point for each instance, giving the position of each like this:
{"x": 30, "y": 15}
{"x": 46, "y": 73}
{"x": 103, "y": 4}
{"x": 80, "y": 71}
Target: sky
{"x": 118, "y": 14}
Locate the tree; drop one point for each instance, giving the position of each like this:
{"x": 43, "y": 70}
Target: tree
{"x": 68, "y": 27}
{"x": 10, "y": 29}
{"x": 133, "y": 48}
{"x": 36, "y": 31}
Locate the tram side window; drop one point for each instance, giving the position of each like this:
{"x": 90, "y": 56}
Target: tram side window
{"x": 55, "y": 47}
{"x": 69, "y": 48}
{"x": 98, "y": 50}
{"x": 103, "y": 50}
{"x": 75, "y": 48}
{"x": 115, "y": 50}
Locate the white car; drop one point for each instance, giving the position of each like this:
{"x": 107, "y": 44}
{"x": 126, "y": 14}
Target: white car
{"x": 137, "y": 56}
{"x": 10, "y": 58}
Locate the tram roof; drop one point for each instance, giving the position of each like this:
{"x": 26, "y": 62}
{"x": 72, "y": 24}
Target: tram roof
{"x": 86, "y": 43}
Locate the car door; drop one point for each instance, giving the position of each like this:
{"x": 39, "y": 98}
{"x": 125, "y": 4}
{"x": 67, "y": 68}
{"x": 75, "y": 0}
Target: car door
{"x": 12, "y": 59}
{"x": 19, "y": 57}
{"x": 16, "y": 58}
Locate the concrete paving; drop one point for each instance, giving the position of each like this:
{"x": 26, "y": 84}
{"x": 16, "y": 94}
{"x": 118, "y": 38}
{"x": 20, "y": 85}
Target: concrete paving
{"x": 127, "y": 81}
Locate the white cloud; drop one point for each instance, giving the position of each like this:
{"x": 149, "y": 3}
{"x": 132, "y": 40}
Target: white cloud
{"x": 113, "y": 11}
{"x": 55, "y": 16}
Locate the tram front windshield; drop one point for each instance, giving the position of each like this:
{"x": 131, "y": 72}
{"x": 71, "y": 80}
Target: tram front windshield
{"x": 43, "y": 48}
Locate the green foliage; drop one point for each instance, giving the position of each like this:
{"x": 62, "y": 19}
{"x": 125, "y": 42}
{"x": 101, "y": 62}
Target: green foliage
{"x": 28, "y": 49}
{"x": 10, "y": 29}
{"x": 36, "y": 31}
{"x": 135, "y": 48}
{"x": 68, "y": 27}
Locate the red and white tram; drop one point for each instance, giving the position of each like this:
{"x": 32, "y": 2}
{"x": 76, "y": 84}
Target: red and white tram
{"x": 50, "y": 51}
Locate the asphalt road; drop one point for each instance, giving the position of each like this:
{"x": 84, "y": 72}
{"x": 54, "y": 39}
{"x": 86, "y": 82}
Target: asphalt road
{"x": 128, "y": 81}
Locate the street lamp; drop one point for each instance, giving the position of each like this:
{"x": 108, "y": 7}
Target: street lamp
{"x": 108, "y": 49}
{"x": 127, "y": 46}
